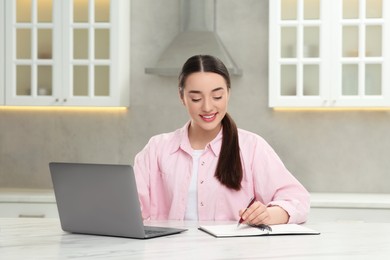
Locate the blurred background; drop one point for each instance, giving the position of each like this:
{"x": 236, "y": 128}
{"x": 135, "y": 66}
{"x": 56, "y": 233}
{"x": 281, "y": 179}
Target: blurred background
{"x": 328, "y": 151}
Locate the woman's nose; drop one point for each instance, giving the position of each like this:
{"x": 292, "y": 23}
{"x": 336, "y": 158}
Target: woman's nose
{"x": 207, "y": 105}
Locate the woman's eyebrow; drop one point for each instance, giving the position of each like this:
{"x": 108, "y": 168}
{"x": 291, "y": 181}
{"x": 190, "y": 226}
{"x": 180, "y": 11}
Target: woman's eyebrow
{"x": 199, "y": 92}
{"x": 217, "y": 89}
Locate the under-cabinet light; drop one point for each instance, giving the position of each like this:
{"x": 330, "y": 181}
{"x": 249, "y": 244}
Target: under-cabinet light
{"x": 65, "y": 109}
{"x": 330, "y": 109}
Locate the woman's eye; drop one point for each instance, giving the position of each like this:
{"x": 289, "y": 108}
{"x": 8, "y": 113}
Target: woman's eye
{"x": 195, "y": 99}
{"x": 218, "y": 97}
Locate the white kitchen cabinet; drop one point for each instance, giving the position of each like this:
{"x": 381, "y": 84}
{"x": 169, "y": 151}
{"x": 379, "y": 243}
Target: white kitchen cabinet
{"x": 332, "y": 53}
{"x": 67, "y": 53}
{"x": 23, "y": 203}
{"x": 28, "y": 210}
{"x": 345, "y": 215}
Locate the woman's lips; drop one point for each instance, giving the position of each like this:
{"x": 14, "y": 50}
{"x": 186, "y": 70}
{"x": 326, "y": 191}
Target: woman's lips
{"x": 209, "y": 118}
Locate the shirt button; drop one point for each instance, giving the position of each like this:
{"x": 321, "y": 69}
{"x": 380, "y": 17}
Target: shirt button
{"x": 201, "y": 204}
{"x": 201, "y": 182}
{"x": 202, "y": 163}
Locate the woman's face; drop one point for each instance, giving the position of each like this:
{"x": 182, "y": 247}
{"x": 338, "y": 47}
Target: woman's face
{"x": 206, "y": 97}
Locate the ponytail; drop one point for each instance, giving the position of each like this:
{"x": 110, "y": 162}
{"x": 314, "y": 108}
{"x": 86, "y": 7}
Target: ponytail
{"x": 229, "y": 167}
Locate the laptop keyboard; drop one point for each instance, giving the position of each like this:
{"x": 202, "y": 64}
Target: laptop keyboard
{"x": 154, "y": 232}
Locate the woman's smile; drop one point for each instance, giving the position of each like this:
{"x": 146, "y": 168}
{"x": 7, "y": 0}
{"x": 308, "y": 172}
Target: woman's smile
{"x": 209, "y": 117}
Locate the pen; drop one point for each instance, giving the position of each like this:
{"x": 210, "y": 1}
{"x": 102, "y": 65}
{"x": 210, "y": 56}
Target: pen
{"x": 263, "y": 227}
{"x": 250, "y": 203}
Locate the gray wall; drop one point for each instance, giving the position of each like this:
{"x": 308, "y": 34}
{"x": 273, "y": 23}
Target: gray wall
{"x": 327, "y": 151}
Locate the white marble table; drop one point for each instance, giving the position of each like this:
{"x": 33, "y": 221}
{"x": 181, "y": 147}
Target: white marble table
{"x": 44, "y": 239}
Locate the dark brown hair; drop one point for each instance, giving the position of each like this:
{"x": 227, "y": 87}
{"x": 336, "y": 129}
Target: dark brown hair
{"x": 229, "y": 168}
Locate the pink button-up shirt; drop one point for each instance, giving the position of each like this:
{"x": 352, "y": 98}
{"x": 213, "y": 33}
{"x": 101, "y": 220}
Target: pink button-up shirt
{"x": 163, "y": 172}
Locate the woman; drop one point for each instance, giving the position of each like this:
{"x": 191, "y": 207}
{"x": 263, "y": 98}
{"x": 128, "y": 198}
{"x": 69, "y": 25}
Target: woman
{"x": 209, "y": 169}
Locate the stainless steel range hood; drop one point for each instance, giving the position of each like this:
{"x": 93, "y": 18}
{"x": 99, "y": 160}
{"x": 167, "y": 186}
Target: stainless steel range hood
{"x": 197, "y": 36}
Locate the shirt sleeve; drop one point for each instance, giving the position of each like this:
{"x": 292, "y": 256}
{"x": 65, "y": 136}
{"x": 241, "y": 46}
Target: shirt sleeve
{"x": 142, "y": 169}
{"x": 276, "y": 186}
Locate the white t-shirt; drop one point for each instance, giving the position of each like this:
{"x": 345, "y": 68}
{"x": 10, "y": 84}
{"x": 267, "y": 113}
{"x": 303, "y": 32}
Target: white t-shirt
{"x": 192, "y": 202}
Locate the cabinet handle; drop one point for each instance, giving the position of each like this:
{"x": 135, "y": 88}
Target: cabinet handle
{"x": 31, "y": 215}
{"x": 65, "y": 100}
{"x": 56, "y": 100}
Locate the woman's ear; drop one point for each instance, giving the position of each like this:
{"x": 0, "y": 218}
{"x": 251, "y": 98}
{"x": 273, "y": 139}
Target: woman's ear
{"x": 181, "y": 98}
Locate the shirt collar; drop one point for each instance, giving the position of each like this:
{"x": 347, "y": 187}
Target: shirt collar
{"x": 182, "y": 141}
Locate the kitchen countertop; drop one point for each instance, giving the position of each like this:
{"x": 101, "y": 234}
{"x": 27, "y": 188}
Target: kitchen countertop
{"x": 27, "y": 196}
{"x": 350, "y": 200}
{"x": 318, "y": 200}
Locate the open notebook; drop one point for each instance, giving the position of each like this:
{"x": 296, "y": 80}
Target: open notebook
{"x": 231, "y": 230}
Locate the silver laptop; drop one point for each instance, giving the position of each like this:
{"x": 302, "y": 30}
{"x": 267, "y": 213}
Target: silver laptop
{"x": 101, "y": 199}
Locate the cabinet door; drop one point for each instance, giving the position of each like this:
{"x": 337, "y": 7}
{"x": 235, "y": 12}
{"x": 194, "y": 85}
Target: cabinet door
{"x": 2, "y": 50}
{"x": 361, "y": 59}
{"x": 91, "y": 52}
{"x": 329, "y": 53}
{"x": 296, "y": 54}
{"x": 65, "y": 53}
{"x": 28, "y": 210}
{"x": 32, "y": 51}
